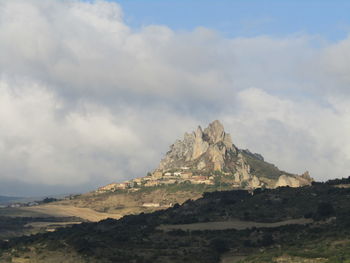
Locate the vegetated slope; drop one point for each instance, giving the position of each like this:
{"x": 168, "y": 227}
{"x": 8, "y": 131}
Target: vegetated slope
{"x": 140, "y": 238}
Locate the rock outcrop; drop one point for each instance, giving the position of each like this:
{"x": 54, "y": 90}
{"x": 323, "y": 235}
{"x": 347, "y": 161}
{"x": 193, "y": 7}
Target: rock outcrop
{"x": 203, "y": 150}
{"x": 209, "y": 150}
{"x": 294, "y": 181}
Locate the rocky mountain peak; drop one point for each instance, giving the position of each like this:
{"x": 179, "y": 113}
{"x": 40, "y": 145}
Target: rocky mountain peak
{"x": 215, "y": 132}
{"x": 201, "y": 149}
{"x": 209, "y": 157}
{"x": 211, "y": 150}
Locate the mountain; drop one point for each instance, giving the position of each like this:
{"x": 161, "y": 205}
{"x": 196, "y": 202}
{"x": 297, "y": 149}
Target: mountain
{"x": 284, "y": 225}
{"x": 205, "y": 160}
{"x": 209, "y": 157}
{"x": 211, "y": 150}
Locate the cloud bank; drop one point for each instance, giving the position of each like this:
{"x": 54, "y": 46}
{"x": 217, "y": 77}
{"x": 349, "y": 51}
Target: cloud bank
{"x": 86, "y": 100}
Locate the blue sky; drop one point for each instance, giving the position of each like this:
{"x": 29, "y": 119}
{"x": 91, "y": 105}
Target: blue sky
{"x": 233, "y": 18}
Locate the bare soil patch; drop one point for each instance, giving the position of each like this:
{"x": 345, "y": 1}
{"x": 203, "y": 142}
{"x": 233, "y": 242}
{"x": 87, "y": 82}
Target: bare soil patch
{"x": 66, "y": 211}
{"x": 234, "y": 224}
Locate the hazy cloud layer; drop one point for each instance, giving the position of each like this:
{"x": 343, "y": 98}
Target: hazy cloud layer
{"x": 86, "y": 100}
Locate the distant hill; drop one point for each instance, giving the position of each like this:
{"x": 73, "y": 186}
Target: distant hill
{"x": 291, "y": 225}
{"x": 5, "y": 200}
{"x": 9, "y": 199}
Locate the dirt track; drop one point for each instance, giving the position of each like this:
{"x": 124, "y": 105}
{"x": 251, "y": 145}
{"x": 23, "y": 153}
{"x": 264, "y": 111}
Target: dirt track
{"x": 233, "y": 224}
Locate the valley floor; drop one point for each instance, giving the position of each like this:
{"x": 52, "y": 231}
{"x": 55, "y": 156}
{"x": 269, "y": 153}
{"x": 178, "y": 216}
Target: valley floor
{"x": 67, "y": 210}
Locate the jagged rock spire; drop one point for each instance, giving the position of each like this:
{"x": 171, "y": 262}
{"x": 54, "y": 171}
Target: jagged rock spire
{"x": 215, "y": 132}
{"x": 200, "y": 146}
{"x": 201, "y": 149}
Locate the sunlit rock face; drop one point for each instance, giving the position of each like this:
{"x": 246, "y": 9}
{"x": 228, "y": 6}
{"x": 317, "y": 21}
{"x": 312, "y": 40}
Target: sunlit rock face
{"x": 203, "y": 150}
{"x": 294, "y": 181}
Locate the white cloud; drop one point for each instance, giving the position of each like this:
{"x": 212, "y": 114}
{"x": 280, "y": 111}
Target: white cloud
{"x": 84, "y": 96}
{"x": 42, "y": 142}
{"x": 297, "y": 135}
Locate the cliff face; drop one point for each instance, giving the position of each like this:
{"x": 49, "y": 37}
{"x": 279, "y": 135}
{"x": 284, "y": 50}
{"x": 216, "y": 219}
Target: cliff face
{"x": 211, "y": 150}
{"x": 202, "y": 150}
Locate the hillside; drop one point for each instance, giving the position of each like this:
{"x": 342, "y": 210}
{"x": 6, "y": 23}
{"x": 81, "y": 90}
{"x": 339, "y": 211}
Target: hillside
{"x": 306, "y": 224}
{"x": 205, "y": 160}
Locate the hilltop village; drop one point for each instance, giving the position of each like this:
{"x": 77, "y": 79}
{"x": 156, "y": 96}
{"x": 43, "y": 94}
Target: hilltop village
{"x": 183, "y": 175}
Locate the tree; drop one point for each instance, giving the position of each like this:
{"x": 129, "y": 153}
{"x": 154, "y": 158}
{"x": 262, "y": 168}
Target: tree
{"x": 325, "y": 209}
{"x": 220, "y": 245}
{"x": 267, "y": 240}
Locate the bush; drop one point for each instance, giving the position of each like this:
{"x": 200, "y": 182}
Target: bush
{"x": 220, "y": 245}
{"x": 267, "y": 240}
{"x": 325, "y": 209}
{"x": 49, "y": 200}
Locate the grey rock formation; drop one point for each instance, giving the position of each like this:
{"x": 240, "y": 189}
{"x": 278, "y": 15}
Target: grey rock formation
{"x": 211, "y": 149}
{"x": 200, "y": 146}
{"x": 200, "y": 149}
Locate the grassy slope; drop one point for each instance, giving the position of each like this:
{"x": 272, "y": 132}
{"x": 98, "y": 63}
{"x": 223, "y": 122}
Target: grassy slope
{"x": 263, "y": 169}
{"x": 124, "y": 202}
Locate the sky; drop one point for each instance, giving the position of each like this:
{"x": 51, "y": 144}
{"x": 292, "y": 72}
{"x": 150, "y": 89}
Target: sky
{"x": 94, "y": 92}
{"x": 237, "y": 18}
